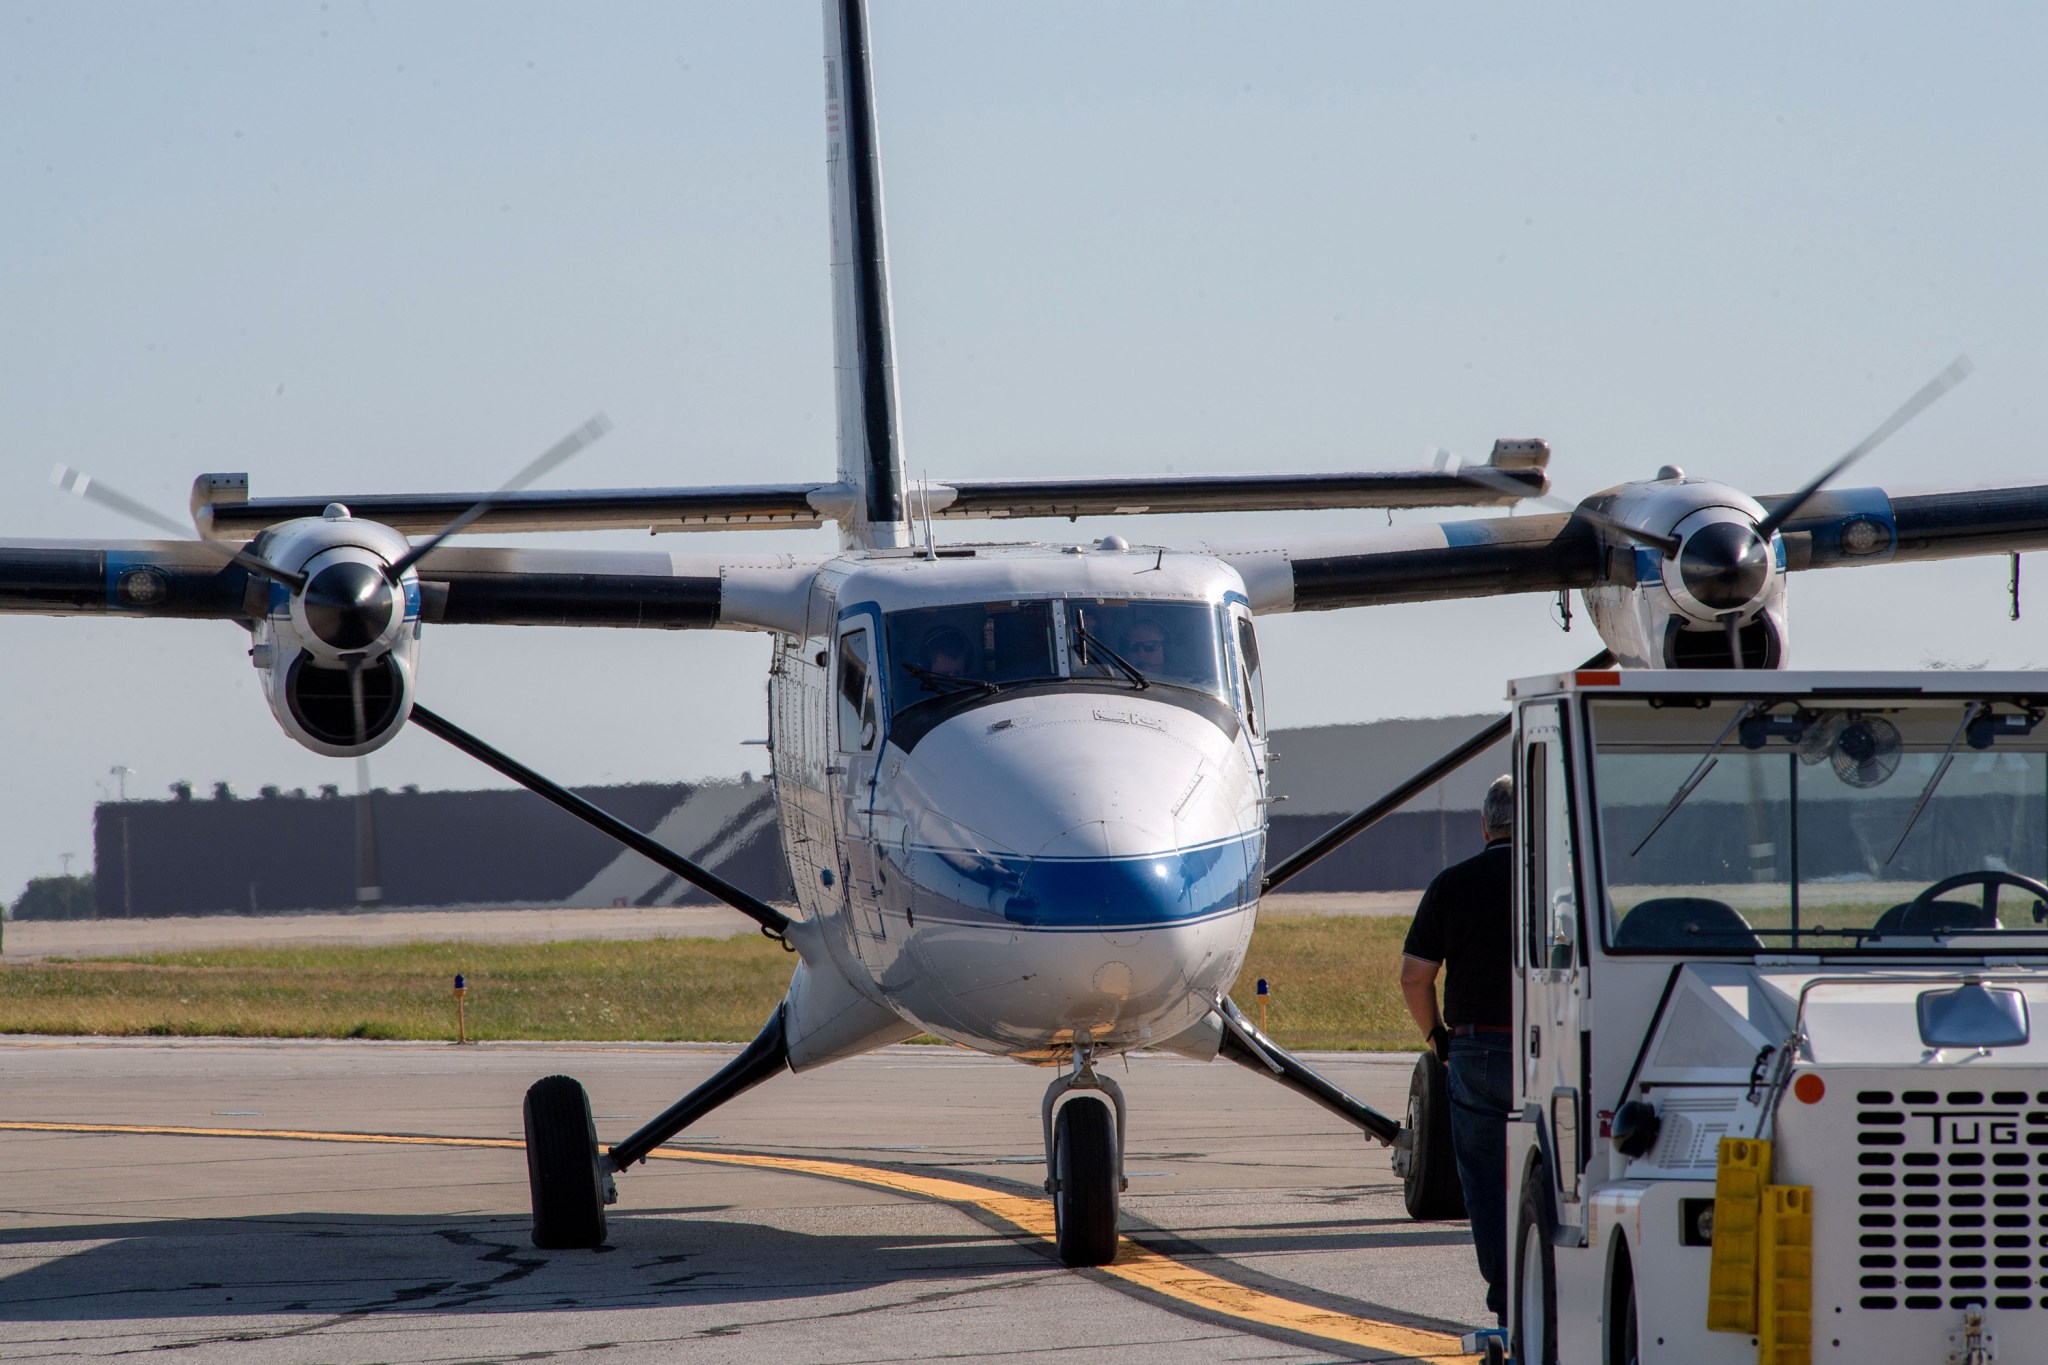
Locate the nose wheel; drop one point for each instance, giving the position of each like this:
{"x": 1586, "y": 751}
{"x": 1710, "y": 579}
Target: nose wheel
{"x": 1084, "y": 1181}
{"x": 1084, "y": 1162}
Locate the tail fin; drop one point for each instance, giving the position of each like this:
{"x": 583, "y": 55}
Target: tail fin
{"x": 864, "y": 350}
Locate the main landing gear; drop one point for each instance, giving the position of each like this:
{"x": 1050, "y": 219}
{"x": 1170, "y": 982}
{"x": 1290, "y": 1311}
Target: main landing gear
{"x": 1424, "y": 1157}
{"x": 565, "y": 1172}
{"x": 571, "y": 1181}
{"x": 1084, "y": 1161}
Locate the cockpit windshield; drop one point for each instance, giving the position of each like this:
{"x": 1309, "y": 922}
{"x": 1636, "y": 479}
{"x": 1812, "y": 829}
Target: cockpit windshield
{"x": 972, "y": 647}
{"x": 1164, "y": 642}
{"x": 981, "y": 648}
{"x": 1821, "y": 825}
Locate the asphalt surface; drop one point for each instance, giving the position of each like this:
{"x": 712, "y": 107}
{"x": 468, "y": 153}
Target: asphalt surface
{"x": 236, "y": 1248}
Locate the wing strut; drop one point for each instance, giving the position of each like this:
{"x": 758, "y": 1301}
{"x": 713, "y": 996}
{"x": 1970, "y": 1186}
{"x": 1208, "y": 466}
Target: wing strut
{"x": 773, "y": 922}
{"x": 1245, "y": 1045}
{"x": 1332, "y": 840}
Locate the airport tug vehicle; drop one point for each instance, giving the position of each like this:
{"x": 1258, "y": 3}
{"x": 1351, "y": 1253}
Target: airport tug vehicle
{"x": 1779, "y": 937}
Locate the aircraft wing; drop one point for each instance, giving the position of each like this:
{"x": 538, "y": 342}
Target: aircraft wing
{"x": 459, "y": 585}
{"x": 1493, "y": 556}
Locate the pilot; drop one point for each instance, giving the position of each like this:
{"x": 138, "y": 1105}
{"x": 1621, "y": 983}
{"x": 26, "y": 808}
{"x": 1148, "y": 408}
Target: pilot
{"x": 945, "y": 652}
{"x": 1145, "y": 644}
{"x": 1464, "y": 928}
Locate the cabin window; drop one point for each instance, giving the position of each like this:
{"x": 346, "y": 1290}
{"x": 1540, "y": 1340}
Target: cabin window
{"x": 1253, "y": 679}
{"x": 1165, "y": 642}
{"x": 856, "y": 693}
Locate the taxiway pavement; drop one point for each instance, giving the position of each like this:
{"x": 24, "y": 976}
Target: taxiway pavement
{"x": 238, "y": 1248}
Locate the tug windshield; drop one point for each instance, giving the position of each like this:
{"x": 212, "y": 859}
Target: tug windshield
{"x": 1744, "y": 825}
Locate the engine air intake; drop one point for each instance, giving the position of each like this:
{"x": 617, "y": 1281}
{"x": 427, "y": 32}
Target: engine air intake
{"x": 320, "y": 701}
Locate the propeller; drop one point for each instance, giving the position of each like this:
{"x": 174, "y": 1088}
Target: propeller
{"x": 81, "y": 484}
{"x": 1954, "y": 373}
{"x": 347, "y": 605}
{"x": 1487, "y": 476}
{"x": 1724, "y": 565}
{"x": 369, "y": 875}
{"x": 554, "y": 455}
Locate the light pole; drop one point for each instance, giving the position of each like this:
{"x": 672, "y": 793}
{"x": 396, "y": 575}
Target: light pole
{"x": 121, "y": 775}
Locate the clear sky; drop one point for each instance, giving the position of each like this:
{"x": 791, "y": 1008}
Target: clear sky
{"x": 361, "y": 246}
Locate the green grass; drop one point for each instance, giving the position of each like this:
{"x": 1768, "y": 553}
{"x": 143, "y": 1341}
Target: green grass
{"x": 1333, "y": 981}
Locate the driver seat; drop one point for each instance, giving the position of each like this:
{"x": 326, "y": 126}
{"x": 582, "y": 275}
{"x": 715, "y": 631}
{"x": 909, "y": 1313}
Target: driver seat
{"x": 1924, "y": 919}
{"x": 1687, "y": 924}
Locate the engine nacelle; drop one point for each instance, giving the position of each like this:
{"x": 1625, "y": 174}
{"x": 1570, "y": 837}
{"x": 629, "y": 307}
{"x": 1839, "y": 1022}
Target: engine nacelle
{"x": 1660, "y": 610}
{"x": 338, "y": 655}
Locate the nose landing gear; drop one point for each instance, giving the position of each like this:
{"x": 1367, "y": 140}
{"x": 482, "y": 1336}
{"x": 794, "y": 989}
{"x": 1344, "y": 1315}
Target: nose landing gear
{"x": 1084, "y": 1161}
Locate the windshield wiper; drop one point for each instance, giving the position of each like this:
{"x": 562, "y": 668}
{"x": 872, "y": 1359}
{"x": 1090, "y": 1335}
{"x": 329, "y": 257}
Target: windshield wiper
{"x": 1124, "y": 665}
{"x": 1699, "y": 775}
{"x": 949, "y": 683}
{"x": 1940, "y": 771}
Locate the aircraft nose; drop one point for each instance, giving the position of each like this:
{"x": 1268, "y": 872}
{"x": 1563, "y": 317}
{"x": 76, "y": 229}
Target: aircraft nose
{"x": 1085, "y": 815}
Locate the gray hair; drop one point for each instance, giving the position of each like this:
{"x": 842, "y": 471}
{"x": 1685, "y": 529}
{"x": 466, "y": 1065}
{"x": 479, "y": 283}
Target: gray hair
{"x": 1497, "y": 808}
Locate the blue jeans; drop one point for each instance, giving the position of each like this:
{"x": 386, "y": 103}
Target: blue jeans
{"x": 1482, "y": 1085}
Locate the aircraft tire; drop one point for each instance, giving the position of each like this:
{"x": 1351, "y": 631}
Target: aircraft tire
{"x": 562, "y": 1170}
{"x": 1430, "y": 1188}
{"x": 1085, "y": 1195}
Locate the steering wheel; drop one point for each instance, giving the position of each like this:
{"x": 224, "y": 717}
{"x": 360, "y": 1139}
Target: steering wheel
{"x": 1923, "y": 904}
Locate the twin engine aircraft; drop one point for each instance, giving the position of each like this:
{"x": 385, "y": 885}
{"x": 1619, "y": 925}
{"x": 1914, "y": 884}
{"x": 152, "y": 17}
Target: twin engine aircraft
{"x": 1022, "y": 786}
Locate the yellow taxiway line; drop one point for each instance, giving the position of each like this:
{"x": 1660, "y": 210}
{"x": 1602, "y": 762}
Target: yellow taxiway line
{"x": 1137, "y": 1265}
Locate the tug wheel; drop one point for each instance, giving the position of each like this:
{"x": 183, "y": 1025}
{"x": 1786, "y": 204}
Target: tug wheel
{"x": 1085, "y": 1180}
{"x": 562, "y": 1170}
{"x": 1535, "y": 1266}
{"x": 1429, "y": 1186}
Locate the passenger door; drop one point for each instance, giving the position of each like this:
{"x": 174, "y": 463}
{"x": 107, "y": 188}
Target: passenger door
{"x": 1551, "y": 941}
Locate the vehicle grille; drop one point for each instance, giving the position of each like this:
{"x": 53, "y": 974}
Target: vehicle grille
{"x": 1953, "y": 1196}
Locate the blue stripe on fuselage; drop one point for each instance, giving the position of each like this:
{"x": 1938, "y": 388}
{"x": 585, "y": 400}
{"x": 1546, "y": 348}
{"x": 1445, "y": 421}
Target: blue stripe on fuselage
{"x": 1172, "y": 886}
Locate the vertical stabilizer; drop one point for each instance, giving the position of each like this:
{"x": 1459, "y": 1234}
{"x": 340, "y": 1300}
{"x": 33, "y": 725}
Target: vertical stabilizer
{"x": 864, "y": 351}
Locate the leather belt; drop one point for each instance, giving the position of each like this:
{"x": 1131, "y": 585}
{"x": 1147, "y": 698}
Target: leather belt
{"x": 1474, "y": 1030}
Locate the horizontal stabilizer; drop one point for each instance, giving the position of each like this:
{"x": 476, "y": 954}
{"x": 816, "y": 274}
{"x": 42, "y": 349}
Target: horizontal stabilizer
{"x": 1217, "y": 493}
{"x": 224, "y": 512}
{"x": 733, "y": 507}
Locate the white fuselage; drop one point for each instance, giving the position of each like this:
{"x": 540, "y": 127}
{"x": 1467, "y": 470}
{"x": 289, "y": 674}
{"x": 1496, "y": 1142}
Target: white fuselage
{"x": 1063, "y": 856}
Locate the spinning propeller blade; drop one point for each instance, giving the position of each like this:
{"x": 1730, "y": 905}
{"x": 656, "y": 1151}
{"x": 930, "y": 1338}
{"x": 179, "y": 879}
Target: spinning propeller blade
{"x": 554, "y": 455}
{"x": 369, "y": 875}
{"x": 84, "y": 485}
{"x": 1953, "y": 374}
{"x": 1489, "y": 477}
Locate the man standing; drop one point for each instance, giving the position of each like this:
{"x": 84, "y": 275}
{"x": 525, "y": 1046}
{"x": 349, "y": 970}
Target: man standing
{"x": 1463, "y": 927}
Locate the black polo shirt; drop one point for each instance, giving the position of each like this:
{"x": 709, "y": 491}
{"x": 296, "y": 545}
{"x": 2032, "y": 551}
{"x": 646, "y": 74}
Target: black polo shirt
{"x": 1464, "y": 922}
